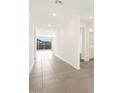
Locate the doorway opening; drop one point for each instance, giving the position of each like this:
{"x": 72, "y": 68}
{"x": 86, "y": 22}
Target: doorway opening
{"x": 44, "y": 43}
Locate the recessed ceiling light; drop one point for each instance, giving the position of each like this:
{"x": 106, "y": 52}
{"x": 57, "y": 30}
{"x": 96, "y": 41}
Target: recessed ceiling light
{"x": 59, "y": 2}
{"x": 54, "y": 14}
{"x": 49, "y": 25}
{"x": 90, "y": 17}
{"x": 90, "y": 30}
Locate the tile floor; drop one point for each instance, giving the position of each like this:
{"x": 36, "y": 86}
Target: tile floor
{"x": 52, "y": 75}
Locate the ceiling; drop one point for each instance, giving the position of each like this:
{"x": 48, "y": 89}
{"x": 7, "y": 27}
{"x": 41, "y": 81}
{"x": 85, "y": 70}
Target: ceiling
{"x": 41, "y": 11}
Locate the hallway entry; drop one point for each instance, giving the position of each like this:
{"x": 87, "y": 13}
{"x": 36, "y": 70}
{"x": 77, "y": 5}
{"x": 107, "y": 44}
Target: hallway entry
{"x": 44, "y": 43}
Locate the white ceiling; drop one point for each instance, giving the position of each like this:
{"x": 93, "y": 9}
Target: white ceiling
{"x": 41, "y": 11}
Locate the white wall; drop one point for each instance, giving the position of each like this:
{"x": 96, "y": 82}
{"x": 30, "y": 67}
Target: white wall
{"x": 31, "y": 45}
{"x": 91, "y": 45}
{"x": 82, "y": 43}
{"x": 87, "y": 44}
{"x": 68, "y": 42}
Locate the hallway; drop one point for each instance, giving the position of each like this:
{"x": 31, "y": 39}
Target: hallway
{"x": 52, "y": 75}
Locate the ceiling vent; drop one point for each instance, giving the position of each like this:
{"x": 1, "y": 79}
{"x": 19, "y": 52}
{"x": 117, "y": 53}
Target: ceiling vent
{"x": 59, "y": 2}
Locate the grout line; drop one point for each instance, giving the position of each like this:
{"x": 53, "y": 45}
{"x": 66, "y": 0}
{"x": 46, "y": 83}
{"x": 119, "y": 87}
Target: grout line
{"x": 42, "y": 73}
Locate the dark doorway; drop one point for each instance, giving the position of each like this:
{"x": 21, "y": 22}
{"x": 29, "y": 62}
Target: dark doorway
{"x": 44, "y": 43}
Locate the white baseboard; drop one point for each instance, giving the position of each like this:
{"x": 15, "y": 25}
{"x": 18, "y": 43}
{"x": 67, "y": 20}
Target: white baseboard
{"x": 77, "y": 68}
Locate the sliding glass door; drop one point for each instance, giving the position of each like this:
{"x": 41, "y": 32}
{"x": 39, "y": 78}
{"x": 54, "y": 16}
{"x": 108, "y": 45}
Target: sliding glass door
{"x": 44, "y": 43}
